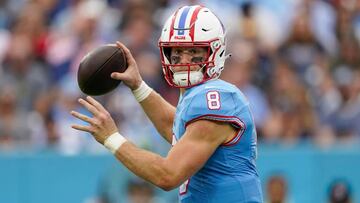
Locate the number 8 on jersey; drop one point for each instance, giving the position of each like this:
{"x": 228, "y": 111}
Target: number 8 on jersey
{"x": 213, "y": 100}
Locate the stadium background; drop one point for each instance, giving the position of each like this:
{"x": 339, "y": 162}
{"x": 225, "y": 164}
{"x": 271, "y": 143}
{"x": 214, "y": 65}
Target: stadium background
{"x": 297, "y": 61}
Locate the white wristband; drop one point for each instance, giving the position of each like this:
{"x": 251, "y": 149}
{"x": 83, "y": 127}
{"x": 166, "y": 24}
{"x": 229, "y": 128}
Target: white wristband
{"x": 142, "y": 92}
{"x": 114, "y": 142}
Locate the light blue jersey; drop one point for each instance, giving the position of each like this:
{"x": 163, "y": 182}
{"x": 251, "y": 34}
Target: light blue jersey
{"x": 230, "y": 174}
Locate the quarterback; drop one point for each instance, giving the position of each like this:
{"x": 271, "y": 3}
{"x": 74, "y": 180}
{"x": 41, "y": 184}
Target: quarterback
{"x": 211, "y": 129}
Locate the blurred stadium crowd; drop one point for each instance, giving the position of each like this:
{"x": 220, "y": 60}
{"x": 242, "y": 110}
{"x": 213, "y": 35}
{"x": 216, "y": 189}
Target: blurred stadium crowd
{"x": 297, "y": 61}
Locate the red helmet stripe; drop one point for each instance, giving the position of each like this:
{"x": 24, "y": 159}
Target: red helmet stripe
{"x": 172, "y": 24}
{"x": 193, "y": 18}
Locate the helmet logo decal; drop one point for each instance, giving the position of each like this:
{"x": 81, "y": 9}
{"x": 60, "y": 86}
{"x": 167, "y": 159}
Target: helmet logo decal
{"x": 179, "y": 37}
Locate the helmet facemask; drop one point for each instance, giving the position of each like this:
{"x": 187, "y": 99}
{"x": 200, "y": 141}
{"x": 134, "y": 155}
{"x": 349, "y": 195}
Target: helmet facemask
{"x": 193, "y": 73}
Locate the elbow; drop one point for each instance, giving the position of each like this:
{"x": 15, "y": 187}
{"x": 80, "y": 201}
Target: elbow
{"x": 167, "y": 178}
{"x": 168, "y": 183}
{"x": 167, "y": 187}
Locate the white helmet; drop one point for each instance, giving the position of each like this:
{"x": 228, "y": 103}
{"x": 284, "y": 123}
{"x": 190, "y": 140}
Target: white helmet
{"x": 193, "y": 26}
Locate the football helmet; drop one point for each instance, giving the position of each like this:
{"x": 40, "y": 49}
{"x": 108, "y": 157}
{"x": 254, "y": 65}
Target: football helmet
{"x": 193, "y": 26}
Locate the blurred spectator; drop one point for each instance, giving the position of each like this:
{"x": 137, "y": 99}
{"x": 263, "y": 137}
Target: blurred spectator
{"x": 22, "y": 67}
{"x": 315, "y": 19}
{"x": 356, "y": 21}
{"x": 4, "y": 14}
{"x": 325, "y": 98}
{"x": 325, "y": 95}
{"x": 302, "y": 46}
{"x": 260, "y": 25}
{"x": 290, "y": 106}
{"x": 340, "y": 192}
{"x": 345, "y": 120}
{"x": 138, "y": 34}
{"x": 347, "y": 34}
{"x": 277, "y": 190}
{"x": 14, "y": 131}
{"x": 140, "y": 192}
{"x": 44, "y": 130}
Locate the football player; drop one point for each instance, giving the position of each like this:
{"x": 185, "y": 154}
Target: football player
{"x": 211, "y": 129}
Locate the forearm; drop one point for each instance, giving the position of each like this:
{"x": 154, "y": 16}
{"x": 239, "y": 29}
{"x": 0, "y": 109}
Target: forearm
{"x": 147, "y": 165}
{"x": 161, "y": 113}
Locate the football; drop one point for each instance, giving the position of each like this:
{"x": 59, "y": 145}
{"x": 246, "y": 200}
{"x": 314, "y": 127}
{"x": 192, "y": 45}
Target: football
{"x": 96, "y": 67}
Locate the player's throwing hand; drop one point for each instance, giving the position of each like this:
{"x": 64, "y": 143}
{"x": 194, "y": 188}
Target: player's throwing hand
{"x": 131, "y": 77}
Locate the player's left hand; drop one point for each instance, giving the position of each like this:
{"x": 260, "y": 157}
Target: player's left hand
{"x": 101, "y": 125}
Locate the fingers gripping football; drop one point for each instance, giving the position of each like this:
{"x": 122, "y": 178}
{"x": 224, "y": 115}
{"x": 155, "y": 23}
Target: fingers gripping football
{"x": 131, "y": 77}
{"x": 101, "y": 125}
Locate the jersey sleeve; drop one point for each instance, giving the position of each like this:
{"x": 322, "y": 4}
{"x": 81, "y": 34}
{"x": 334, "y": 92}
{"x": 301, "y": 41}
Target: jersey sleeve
{"x": 217, "y": 105}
